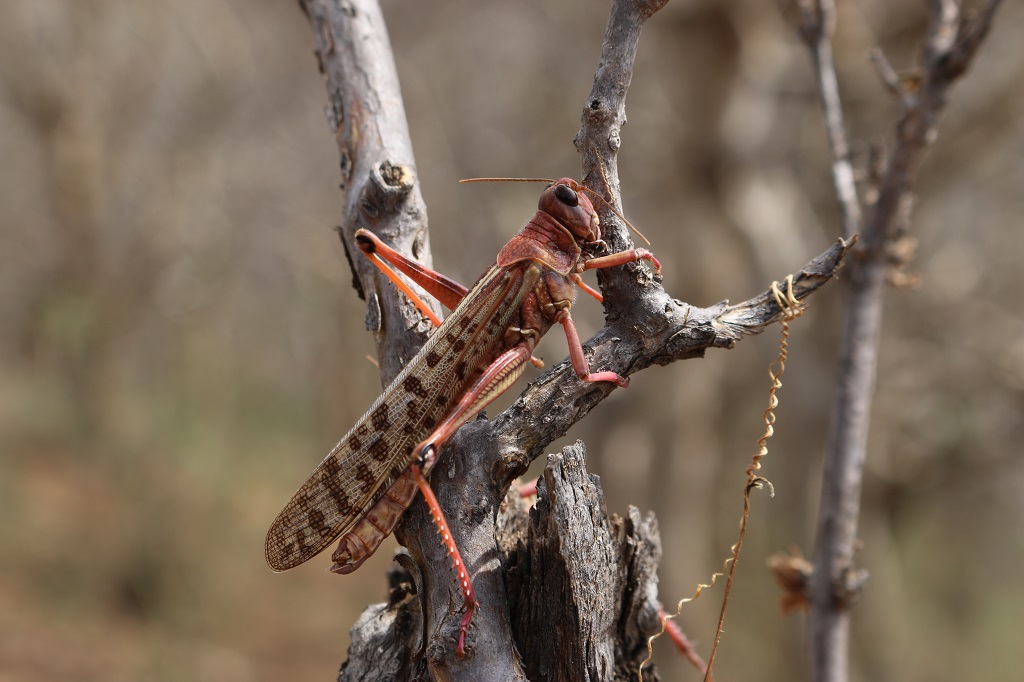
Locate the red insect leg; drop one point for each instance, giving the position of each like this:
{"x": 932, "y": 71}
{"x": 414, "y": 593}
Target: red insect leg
{"x": 443, "y": 288}
{"x": 527, "y": 488}
{"x": 576, "y": 354}
{"x": 683, "y": 643}
{"x": 579, "y": 359}
{"x": 501, "y": 374}
{"x": 621, "y": 258}
{"x": 469, "y": 597}
{"x": 587, "y": 288}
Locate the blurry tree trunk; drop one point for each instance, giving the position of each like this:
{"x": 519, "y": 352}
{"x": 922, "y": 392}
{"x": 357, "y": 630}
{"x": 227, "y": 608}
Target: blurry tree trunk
{"x": 883, "y": 250}
{"x": 566, "y": 592}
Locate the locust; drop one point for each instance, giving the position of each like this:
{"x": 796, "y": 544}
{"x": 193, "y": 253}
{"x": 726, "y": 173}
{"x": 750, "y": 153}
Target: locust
{"x": 358, "y": 493}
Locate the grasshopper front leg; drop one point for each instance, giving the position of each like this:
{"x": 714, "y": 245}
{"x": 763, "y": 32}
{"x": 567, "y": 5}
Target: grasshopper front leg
{"x": 620, "y": 258}
{"x": 576, "y": 353}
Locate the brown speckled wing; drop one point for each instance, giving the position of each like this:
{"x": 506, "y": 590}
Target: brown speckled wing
{"x": 375, "y": 452}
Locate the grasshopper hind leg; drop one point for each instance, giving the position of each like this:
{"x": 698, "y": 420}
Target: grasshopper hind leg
{"x": 501, "y": 374}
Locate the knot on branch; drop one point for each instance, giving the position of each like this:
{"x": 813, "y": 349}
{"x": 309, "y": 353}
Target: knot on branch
{"x": 848, "y": 586}
{"x": 508, "y": 467}
{"x": 386, "y": 190}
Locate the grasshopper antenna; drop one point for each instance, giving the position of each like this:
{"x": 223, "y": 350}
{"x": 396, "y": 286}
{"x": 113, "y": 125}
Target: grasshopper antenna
{"x": 604, "y": 179}
{"x": 589, "y": 191}
{"x": 468, "y": 180}
{"x": 616, "y": 212}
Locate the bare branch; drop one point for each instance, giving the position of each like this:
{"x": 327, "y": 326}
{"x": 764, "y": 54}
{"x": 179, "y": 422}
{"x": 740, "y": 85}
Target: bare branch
{"x": 599, "y": 137}
{"x": 890, "y": 79}
{"x": 377, "y": 167}
{"x": 819, "y": 22}
{"x": 972, "y": 34}
{"x": 948, "y": 51}
{"x": 753, "y": 316}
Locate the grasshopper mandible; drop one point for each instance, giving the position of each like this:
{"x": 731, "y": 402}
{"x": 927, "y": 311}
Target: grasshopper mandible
{"x": 359, "y": 491}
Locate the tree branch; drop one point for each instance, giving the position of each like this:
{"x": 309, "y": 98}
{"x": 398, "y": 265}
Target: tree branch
{"x": 377, "y": 168}
{"x": 819, "y": 24}
{"x": 948, "y": 51}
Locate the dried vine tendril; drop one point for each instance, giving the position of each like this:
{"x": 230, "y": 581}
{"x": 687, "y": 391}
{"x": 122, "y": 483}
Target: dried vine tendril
{"x": 790, "y": 309}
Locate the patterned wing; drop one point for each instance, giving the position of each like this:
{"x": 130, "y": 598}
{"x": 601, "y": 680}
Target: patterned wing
{"x": 375, "y": 452}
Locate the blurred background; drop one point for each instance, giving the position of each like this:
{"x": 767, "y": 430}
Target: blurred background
{"x": 180, "y": 345}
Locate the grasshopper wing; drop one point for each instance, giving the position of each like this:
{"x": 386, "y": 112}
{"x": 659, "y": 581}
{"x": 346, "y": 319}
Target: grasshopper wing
{"x": 378, "y": 449}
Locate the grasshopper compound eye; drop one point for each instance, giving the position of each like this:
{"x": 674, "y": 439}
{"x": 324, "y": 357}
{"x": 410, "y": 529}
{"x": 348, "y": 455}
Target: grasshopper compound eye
{"x": 566, "y": 195}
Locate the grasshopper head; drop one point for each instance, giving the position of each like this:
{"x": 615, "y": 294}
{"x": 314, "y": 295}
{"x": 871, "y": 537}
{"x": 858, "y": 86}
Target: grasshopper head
{"x": 566, "y": 202}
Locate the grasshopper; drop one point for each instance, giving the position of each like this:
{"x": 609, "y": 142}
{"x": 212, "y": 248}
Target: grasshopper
{"x": 360, "y": 490}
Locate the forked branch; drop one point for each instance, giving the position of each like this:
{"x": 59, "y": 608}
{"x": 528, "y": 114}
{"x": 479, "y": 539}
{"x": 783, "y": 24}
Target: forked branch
{"x": 950, "y": 47}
